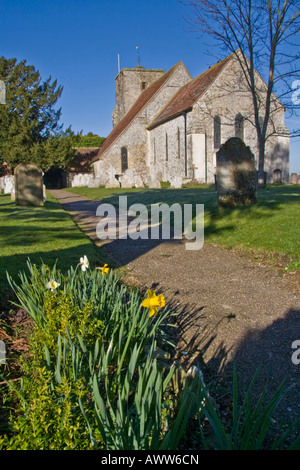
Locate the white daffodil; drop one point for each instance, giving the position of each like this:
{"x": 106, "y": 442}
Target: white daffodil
{"x": 52, "y": 285}
{"x": 84, "y": 263}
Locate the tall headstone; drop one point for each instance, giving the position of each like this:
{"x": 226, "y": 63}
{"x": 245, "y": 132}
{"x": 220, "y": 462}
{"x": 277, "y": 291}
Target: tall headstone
{"x": 28, "y": 185}
{"x": 236, "y": 174}
{"x": 294, "y": 178}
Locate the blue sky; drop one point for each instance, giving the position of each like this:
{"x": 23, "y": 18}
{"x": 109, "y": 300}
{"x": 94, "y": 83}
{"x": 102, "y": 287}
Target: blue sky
{"x": 77, "y": 42}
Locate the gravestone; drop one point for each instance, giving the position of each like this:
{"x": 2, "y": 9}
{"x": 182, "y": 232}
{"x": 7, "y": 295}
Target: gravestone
{"x": 154, "y": 183}
{"x": 28, "y": 185}
{"x": 112, "y": 181}
{"x": 294, "y": 178}
{"x": 176, "y": 182}
{"x": 131, "y": 179}
{"x": 236, "y": 174}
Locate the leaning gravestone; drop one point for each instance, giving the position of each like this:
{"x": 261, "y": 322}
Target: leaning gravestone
{"x": 28, "y": 185}
{"x": 236, "y": 174}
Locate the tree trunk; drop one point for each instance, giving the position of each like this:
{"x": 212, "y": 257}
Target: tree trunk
{"x": 261, "y": 164}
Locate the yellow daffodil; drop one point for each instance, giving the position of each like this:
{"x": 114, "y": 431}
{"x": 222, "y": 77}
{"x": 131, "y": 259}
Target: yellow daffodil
{"x": 104, "y": 269}
{"x": 52, "y": 285}
{"x": 153, "y": 302}
{"x": 84, "y": 263}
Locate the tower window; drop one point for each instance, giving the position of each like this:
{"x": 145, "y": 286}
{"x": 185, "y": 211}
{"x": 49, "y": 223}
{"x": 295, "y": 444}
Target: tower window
{"x": 144, "y": 85}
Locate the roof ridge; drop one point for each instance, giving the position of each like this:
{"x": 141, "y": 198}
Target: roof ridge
{"x": 161, "y": 79}
{"x": 156, "y": 121}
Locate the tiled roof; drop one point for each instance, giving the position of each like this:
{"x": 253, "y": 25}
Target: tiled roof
{"x": 134, "y": 111}
{"x": 185, "y": 98}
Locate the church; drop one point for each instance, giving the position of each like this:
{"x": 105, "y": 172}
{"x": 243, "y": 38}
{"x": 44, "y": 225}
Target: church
{"x": 168, "y": 127}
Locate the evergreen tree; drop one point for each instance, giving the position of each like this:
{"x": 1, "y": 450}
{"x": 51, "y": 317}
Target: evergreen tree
{"x": 29, "y": 120}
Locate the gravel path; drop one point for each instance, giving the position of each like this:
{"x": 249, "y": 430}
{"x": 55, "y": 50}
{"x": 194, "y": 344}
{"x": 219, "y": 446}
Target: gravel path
{"x": 230, "y": 309}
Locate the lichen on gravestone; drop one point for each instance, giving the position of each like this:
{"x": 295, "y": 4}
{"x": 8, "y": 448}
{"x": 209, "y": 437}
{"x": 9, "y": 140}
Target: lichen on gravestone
{"x": 236, "y": 174}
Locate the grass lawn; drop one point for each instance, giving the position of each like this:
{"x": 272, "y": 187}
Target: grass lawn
{"x": 40, "y": 233}
{"x": 268, "y": 230}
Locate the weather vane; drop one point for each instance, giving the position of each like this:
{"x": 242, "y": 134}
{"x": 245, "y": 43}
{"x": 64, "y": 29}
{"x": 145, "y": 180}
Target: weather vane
{"x": 138, "y": 54}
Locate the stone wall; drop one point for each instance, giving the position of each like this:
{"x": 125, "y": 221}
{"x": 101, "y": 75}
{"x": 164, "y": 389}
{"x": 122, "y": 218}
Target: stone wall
{"x": 83, "y": 179}
{"x": 135, "y": 136}
{"x": 226, "y": 98}
{"x": 185, "y": 146}
{"x": 167, "y": 150}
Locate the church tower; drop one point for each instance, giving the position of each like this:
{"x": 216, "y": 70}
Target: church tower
{"x": 130, "y": 83}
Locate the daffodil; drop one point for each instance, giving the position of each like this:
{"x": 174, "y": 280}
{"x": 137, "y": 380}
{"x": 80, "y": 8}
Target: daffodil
{"x": 153, "y": 302}
{"x": 104, "y": 269}
{"x": 52, "y": 285}
{"x": 84, "y": 263}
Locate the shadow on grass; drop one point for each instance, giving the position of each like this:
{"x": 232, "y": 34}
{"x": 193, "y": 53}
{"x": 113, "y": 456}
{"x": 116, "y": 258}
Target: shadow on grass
{"x": 245, "y": 224}
{"x": 41, "y": 233}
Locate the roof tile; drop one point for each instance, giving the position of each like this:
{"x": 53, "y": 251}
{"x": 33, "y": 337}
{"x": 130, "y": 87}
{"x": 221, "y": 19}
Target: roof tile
{"x": 189, "y": 94}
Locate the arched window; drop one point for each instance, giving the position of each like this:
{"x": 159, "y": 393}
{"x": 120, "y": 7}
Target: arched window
{"x": 217, "y": 132}
{"x": 124, "y": 159}
{"x": 239, "y": 126}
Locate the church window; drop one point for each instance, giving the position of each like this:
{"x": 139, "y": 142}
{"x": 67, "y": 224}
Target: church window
{"x": 239, "y": 126}
{"x": 217, "y": 132}
{"x": 124, "y": 159}
{"x": 154, "y": 151}
{"x": 144, "y": 85}
{"x": 178, "y": 142}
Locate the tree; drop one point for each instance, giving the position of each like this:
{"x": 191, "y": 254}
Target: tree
{"x": 29, "y": 121}
{"x": 88, "y": 140}
{"x": 261, "y": 35}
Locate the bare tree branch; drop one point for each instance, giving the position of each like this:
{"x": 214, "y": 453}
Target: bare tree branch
{"x": 261, "y": 34}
